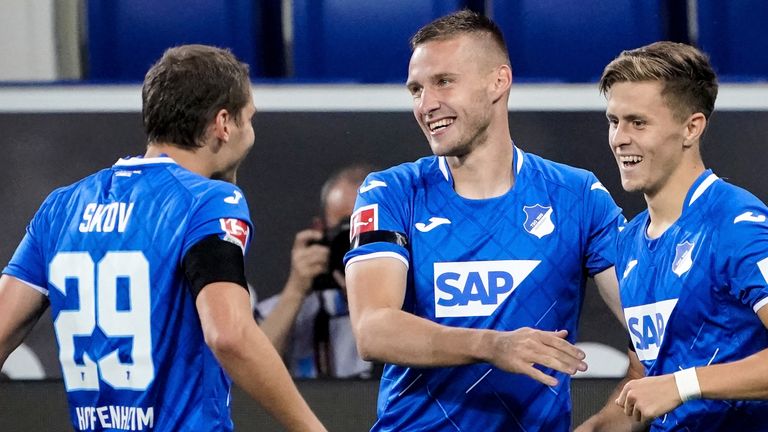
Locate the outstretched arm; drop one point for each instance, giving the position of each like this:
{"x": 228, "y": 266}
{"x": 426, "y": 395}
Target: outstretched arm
{"x": 20, "y": 308}
{"x": 248, "y": 356}
{"x": 651, "y": 397}
{"x": 384, "y": 332}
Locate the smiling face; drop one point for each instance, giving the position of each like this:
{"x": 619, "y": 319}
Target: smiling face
{"x": 450, "y": 81}
{"x": 652, "y": 147}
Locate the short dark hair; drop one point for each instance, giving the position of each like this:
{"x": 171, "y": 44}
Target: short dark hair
{"x": 689, "y": 82}
{"x": 185, "y": 89}
{"x": 460, "y": 23}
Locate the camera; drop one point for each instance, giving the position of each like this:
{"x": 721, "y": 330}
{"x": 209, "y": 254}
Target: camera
{"x": 337, "y": 240}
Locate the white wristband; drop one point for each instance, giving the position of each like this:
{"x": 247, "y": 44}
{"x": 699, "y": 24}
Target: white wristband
{"x": 687, "y": 384}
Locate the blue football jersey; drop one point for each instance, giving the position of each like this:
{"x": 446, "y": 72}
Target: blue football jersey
{"x": 690, "y": 296}
{"x": 518, "y": 260}
{"x": 107, "y": 251}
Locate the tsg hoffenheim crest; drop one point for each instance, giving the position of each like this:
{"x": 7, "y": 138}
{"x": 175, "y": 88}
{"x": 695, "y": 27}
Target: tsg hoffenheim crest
{"x": 538, "y": 220}
{"x": 682, "y": 262}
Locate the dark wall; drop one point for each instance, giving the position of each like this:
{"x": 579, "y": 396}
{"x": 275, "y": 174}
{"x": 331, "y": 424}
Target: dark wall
{"x": 295, "y": 152}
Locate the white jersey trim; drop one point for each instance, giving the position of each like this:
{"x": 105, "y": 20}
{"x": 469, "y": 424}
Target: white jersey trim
{"x": 375, "y": 255}
{"x": 135, "y": 161}
{"x": 519, "y": 165}
{"x": 703, "y": 187}
{"x": 443, "y": 167}
{"x": 760, "y": 304}
{"x": 42, "y": 290}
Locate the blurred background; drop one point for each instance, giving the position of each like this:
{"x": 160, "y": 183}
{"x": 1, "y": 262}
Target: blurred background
{"x": 328, "y": 81}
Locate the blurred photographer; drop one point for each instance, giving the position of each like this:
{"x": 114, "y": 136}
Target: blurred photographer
{"x": 308, "y": 322}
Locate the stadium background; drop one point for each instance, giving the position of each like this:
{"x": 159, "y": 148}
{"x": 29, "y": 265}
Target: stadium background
{"x": 328, "y": 84}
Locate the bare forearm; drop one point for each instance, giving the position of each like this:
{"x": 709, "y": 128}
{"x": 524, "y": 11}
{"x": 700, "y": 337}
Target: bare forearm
{"x": 743, "y": 379}
{"x": 278, "y": 323}
{"x": 260, "y": 372}
{"x": 20, "y": 309}
{"x": 398, "y": 337}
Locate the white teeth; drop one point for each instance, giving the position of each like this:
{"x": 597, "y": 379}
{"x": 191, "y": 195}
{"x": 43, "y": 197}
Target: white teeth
{"x": 440, "y": 123}
{"x": 630, "y": 159}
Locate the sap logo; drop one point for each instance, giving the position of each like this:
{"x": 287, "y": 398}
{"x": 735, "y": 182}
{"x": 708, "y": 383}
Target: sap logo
{"x": 647, "y": 324}
{"x": 477, "y": 288}
{"x": 106, "y": 217}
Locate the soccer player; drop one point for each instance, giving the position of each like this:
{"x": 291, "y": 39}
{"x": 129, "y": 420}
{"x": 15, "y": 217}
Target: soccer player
{"x": 692, "y": 267}
{"x": 142, "y": 266}
{"x": 468, "y": 267}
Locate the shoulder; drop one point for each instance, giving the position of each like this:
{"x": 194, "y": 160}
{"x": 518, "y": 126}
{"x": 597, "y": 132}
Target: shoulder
{"x": 635, "y": 224}
{"x": 736, "y": 209}
{"x": 402, "y": 180}
{"x": 405, "y": 174}
{"x": 209, "y": 192}
{"x": 61, "y": 198}
{"x": 566, "y": 176}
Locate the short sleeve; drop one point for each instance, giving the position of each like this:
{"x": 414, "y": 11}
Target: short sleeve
{"x": 382, "y": 205}
{"x": 221, "y": 210}
{"x": 743, "y": 254}
{"x": 602, "y": 224}
{"x": 28, "y": 262}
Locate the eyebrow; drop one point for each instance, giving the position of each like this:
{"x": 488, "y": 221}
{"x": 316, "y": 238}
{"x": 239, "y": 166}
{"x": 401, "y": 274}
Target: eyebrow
{"x": 630, "y": 117}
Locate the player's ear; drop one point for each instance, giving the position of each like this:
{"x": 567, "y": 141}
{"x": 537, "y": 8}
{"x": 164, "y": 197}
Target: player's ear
{"x": 221, "y": 125}
{"x": 694, "y": 128}
{"x": 502, "y": 80}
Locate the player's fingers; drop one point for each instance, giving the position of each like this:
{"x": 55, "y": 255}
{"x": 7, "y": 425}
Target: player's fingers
{"x": 539, "y": 375}
{"x": 553, "y": 340}
{"x": 566, "y": 348}
{"x": 622, "y": 399}
{"x": 556, "y": 359}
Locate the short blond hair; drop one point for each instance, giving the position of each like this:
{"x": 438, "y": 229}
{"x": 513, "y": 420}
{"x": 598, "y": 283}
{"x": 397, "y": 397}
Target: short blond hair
{"x": 689, "y": 82}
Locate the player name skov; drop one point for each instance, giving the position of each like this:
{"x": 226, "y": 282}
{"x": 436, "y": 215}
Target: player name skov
{"x": 106, "y": 217}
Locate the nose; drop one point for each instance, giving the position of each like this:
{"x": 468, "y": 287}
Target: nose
{"x": 618, "y": 134}
{"x": 427, "y": 103}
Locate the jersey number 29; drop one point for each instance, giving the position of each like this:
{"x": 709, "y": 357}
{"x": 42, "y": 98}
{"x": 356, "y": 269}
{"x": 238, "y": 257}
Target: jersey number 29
{"x": 97, "y": 292}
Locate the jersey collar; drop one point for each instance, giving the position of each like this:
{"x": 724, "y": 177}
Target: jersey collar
{"x": 139, "y": 160}
{"x": 517, "y": 163}
{"x": 705, "y": 180}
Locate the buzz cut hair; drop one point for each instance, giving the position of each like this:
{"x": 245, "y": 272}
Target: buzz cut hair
{"x": 460, "y": 23}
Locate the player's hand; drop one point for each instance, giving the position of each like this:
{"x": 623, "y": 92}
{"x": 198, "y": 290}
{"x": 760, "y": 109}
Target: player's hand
{"x": 519, "y": 350}
{"x": 647, "y": 398}
{"x": 308, "y": 259}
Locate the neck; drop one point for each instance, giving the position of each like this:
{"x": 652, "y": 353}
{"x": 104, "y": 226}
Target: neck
{"x": 191, "y": 160}
{"x": 485, "y": 172}
{"x": 666, "y": 205}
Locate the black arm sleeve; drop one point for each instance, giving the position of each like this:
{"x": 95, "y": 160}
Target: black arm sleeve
{"x": 213, "y": 260}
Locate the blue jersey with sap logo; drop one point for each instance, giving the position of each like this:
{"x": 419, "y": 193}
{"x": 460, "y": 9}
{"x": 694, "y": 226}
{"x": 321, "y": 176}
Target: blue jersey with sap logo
{"x": 107, "y": 251}
{"x": 690, "y": 296}
{"x": 518, "y": 260}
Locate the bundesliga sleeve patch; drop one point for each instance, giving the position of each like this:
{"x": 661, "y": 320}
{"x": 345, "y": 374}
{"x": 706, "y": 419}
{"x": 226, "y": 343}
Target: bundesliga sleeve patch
{"x": 365, "y": 219}
{"x": 235, "y": 231}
